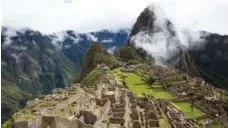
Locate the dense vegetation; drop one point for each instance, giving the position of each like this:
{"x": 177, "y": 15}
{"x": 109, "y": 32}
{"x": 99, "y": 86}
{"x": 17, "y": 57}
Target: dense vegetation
{"x": 127, "y": 53}
{"x": 31, "y": 66}
{"x": 96, "y": 75}
{"x": 96, "y": 54}
{"x": 212, "y": 59}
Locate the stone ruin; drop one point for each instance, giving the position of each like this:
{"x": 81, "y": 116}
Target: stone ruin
{"x": 88, "y": 117}
{"x": 129, "y": 68}
{"x": 107, "y": 107}
{"x": 103, "y": 66}
{"x": 152, "y": 120}
{"x": 176, "y": 118}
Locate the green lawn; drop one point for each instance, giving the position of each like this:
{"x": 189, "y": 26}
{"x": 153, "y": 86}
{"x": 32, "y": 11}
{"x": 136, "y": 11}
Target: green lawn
{"x": 138, "y": 86}
{"x": 185, "y": 107}
{"x": 163, "y": 121}
{"x": 117, "y": 74}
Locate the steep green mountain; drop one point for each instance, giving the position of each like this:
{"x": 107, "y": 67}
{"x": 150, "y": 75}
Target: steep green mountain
{"x": 212, "y": 59}
{"x": 127, "y": 53}
{"x": 186, "y": 64}
{"x": 30, "y": 66}
{"x": 96, "y": 54}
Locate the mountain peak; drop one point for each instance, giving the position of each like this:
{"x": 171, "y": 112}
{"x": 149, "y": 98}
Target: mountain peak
{"x": 157, "y": 10}
{"x": 155, "y": 34}
{"x": 96, "y": 54}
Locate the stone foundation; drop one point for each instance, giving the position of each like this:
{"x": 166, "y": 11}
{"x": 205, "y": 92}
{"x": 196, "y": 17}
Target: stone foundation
{"x": 116, "y": 120}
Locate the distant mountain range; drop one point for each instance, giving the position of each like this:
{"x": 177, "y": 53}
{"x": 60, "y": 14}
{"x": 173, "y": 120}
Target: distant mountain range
{"x": 34, "y": 63}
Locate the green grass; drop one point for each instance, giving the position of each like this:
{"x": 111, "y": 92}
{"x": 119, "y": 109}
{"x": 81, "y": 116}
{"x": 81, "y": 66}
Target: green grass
{"x": 140, "y": 87}
{"x": 135, "y": 82}
{"x": 174, "y": 78}
{"x": 117, "y": 74}
{"x": 186, "y": 108}
{"x": 214, "y": 124}
{"x": 163, "y": 121}
{"x": 92, "y": 77}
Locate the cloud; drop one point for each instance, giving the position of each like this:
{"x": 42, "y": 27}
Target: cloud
{"x": 107, "y": 41}
{"x": 91, "y": 37}
{"x": 88, "y": 15}
{"x": 112, "y": 49}
{"x": 10, "y": 32}
{"x": 159, "y": 40}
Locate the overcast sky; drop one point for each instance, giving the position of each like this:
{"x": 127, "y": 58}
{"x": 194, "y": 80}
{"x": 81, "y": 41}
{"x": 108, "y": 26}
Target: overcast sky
{"x": 50, "y": 16}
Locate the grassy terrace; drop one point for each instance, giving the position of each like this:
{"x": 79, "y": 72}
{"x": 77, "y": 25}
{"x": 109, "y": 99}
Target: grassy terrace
{"x": 136, "y": 83}
{"x": 186, "y": 108}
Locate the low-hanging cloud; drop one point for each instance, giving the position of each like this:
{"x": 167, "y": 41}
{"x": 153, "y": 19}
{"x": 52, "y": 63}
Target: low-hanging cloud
{"x": 160, "y": 42}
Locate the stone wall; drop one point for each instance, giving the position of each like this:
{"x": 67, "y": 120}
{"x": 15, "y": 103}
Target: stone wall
{"x": 21, "y": 124}
{"x": 116, "y": 120}
{"x": 89, "y": 117}
{"x": 101, "y": 102}
{"x": 118, "y": 114}
{"x": 65, "y": 123}
{"x": 135, "y": 115}
{"x": 136, "y": 124}
{"x": 111, "y": 97}
{"x": 48, "y": 121}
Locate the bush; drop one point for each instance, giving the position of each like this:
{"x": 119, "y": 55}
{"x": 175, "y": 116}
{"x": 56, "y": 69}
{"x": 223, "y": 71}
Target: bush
{"x": 114, "y": 65}
{"x": 151, "y": 80}
{"x": 132, "y": 62}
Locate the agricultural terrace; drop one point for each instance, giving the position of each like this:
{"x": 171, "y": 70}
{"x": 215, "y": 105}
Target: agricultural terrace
{"x": 137, "y": 83}
{"x": 188, "y": 110}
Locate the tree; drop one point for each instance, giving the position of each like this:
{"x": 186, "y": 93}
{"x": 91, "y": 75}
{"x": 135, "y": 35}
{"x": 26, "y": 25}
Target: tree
{"x": 150, "y": 80}
{"x": 124, "y": 84}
